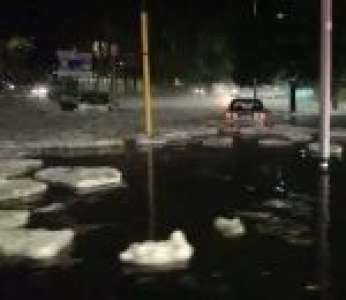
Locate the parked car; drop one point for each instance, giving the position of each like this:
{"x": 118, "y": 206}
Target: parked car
{"x": 247, "y": 112}
{"x": 6, "y": 85}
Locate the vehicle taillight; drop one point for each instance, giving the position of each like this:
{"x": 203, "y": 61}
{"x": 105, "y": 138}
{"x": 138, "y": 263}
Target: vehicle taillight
{"x": 234, "y": 116}
{"x": 260, "y": 116}
{"x": 228, "y": 116}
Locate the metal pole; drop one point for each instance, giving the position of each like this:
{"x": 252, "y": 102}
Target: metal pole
{"x": 255, "y": 78}
{"x": 148, "y": 122}
{"x": 325, "y": 81}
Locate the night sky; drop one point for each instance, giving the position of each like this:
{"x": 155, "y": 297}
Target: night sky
{"x": 182, "y": 30}
{"x": 61, "y": 20}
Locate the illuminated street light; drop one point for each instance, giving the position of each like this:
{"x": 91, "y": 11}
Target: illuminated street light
{"x": 280, "y": 15}
{"x": 255, "y": 79}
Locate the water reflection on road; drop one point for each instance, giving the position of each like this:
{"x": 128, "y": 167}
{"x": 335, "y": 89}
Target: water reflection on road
{"x": 323, "y": 226}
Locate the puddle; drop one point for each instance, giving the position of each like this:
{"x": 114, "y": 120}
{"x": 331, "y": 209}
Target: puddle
{"x": 187, "y": 188}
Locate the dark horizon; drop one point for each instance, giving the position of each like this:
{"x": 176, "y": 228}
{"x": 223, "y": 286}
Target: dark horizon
{"x": 187, "y": 37}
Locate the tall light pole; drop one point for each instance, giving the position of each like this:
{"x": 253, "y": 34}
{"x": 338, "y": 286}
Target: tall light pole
{"x": 148, "y": 116}
{"x": 255, "y": 78}
{"x": 325, "y": 81}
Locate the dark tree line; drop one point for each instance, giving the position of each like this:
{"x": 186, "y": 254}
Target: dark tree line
{"x": 195, "y": 41}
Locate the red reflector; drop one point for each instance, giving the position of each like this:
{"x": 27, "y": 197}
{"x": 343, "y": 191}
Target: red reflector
{"x": 260, "y": 116}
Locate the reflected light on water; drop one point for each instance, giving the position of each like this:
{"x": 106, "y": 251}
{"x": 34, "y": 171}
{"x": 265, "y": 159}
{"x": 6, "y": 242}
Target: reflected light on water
{"x": 323, "y": 228}
{"x": 151, "y": 192}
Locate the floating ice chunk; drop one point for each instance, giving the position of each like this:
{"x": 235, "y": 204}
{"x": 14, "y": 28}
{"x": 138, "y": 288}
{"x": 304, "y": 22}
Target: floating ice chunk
{"x": 218, "y": 142}
{"x": 202, "y": 131}
{"x": 16, "y": 167}
{"x": 81, "y": 177}
{"x": 255, "y": 215}
{"x": 293, "y": 233}
{"x": 34, "y": 244}
{"x": 249, "y": 131}
{"x": 297, "y": 136}
{"x": 84, "y": 107}
{"x": 176, "y": 135}
{"x": 13, "y": 218}
{"x": 143, "y": 140}
{"x": 77, "y": 143}
{"x": 335, "y": 149}
{"x": 272, "y": 142}
{"x": 175, "y": 250}
{"x": 51, "y": 208}
{"x": 278, "y": 204}
{"x": 21, "y": 188}
{"x": 229, "y": 228}
{"x": 338, "y": 133}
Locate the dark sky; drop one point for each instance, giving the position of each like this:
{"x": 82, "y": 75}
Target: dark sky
{"x": 60, "y": 21}
{"x": 176, "y": 25}
{"x": 56, "y": 19}
{"x": 42, "y": 17}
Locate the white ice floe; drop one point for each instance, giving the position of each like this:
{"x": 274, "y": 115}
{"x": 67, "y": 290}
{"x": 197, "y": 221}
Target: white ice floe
{"x": 50, "y": 208}
{"x": 297, "y": 136}
{"x": 274, "y": 142}
{"x": 87, "y": 142}
{"x": 218, "y": 142}
{"x": 202, "y": 131}
{"x": 249, "y": 131}
{"x": 176, "y": 135}
{"x": 10, "y": 219}
{"x": 175, "y": 250}
{"x": 255, "y": 215}
{"x": 81, "y": 177}
{"x": 85, "y": 107}
{"x": 229, "y": 228}
{"x": 17, "y": 167}
{"x": 338, "y": 133}
{"x": 157, "y": 141}
{"x": 278, "y": 204}
{"x": 20, "y": 188}
{"x": 293, "y": 233}
{"x": 335, "y": 149}
{"x": 34, "y": 244}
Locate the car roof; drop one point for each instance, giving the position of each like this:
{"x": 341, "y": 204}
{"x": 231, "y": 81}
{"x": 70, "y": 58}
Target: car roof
{"x": 246, "y": 103}
{"x": 246, "y": 100}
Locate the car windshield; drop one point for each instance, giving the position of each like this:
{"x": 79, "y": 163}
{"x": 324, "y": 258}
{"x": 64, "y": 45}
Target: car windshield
{"x": 246, "y": 105}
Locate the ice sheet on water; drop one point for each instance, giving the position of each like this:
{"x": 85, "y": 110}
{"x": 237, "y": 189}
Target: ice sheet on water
{"x": 274, "y": 142}
{"x": 10, "y": 219}
{"x": 165, "y": 255}
{"x": 143, "y": 140}
{"x": 20, "y": 188}
{"x": 230, "y": 228}
{"x": 81, "y": 178}
{"x": 16, "y": 167}
{"x": 218, "y": 142}
{"x": 36, "y": 244}
{"x": 335, "y": 149}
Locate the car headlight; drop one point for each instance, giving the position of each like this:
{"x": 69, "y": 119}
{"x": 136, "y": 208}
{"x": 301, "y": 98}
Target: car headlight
{"x": 199, "y": 91}
{"x": 40, "y": 91}
{"x": 11, "y": 86}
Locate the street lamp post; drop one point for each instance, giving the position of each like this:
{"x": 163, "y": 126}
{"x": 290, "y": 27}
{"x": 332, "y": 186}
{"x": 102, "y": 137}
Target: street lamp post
{"x": 148, "y": 118}
{"x": 325, "y": 81}
{"x": 255, "y": 78}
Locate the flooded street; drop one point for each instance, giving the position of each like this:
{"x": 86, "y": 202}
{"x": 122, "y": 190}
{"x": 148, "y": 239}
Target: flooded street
{"x": 293, "y": 247}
